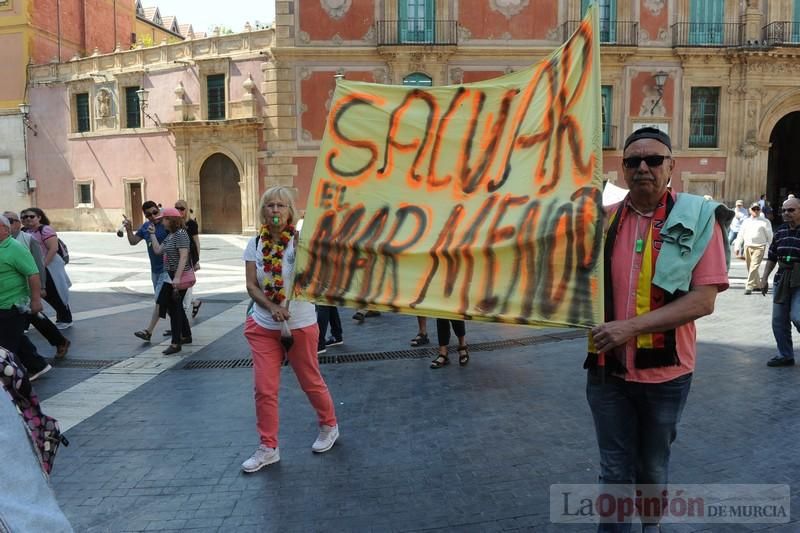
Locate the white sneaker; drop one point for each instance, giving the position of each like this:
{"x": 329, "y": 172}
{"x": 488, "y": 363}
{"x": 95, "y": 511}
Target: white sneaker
{"x": 262, "y": 457}
{"x": 63, "y": 325}
{"x": 326, "y": 438}
{"x": 40, "y": 373}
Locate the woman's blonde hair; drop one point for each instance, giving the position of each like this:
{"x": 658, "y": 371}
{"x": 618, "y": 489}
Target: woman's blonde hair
{"x": 281, "y": 194}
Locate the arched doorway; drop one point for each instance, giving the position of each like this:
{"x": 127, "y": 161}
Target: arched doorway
{"x": 220, "y": 196}
{"x": 784, "y": 160}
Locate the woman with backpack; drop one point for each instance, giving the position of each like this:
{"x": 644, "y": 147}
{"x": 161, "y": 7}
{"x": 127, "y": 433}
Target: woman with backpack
{"x": 57, "y": 286}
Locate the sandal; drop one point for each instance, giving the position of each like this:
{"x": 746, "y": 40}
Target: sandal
{"x": 420, "y": 339}
{"x": 144, "y": 335}
{"x": 196, "y": 308}
{"x": 440, "y": 361}
{"x": 359, "y": 316}
{"x": 463, "y": 355}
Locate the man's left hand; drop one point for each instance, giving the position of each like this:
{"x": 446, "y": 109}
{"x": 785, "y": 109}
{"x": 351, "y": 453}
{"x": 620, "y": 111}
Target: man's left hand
{"x": 612, "y": 334}
{"x": 36, "y": 306}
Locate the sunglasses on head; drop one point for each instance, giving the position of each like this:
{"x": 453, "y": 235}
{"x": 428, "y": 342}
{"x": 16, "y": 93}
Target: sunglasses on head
{"x": 28, "y": 216}
{"x": 650, "y": 160}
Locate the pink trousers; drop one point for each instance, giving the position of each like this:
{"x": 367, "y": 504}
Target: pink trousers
{"x": 267, "y": 357}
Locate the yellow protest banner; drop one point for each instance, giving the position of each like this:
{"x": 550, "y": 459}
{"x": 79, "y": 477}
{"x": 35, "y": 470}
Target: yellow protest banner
{"x": 478, "y": 201}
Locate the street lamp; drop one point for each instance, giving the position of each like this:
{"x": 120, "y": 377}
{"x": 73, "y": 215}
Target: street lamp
{"x": 660, "y": 79}
{"x": 25, "y": 110}
{"x": 143, "y": 94}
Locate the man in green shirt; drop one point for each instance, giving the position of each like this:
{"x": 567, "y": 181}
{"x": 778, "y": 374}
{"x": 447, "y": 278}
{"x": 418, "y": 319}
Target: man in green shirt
{"x": 20, "y": 293}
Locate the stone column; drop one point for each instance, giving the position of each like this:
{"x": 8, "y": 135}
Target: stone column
{"x": 753, "y": 22}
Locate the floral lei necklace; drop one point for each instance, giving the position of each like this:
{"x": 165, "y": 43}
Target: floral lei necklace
{"x": 273, "y": 262}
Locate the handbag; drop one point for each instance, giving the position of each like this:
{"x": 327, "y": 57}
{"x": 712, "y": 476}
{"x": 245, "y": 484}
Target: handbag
{"x": 187, "y": 279}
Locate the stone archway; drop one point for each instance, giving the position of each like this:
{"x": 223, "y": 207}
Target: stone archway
{"x": 784, "y": 159}
{"x": 220, "y": 196}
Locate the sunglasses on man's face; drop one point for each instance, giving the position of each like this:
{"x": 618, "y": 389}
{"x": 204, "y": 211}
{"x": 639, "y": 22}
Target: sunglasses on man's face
{"x": 788, "y": 210}
{"x": 152, "y": 213}
{"x": 651, "y": 161}
{"x": 179, "y": 208}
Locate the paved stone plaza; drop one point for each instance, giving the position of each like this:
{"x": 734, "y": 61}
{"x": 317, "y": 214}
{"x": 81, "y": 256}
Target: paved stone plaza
{"x": 156, "y": 442}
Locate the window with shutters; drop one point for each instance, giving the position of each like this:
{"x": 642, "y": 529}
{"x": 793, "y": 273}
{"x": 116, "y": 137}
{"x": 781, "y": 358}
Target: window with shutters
{"x": 704, "y": 118}
{"x": 215, "y": 85}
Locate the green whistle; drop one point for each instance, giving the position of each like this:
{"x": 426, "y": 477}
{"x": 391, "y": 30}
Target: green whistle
{"x": 276, "y": 220}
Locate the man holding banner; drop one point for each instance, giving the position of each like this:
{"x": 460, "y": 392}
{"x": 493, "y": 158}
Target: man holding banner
{"x": 665, "y": 262}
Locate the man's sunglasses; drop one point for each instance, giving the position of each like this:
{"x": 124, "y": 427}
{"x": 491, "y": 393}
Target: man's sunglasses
{"x": 153, "y": 213}
{"x": 180, "y": 208}
{"x": 788, "y": 210}
{"x": 651, "y": 161}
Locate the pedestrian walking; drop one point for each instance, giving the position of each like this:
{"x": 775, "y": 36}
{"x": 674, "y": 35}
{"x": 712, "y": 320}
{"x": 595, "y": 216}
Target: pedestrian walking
{"x": 269, "y": 267}
{"x": 752, "y": 241}
{"x": 191, "y": 305}
{"x": 328, "y": 314}
{"x": 785, "y": 253}
{"x": 443, "y": 334}
{"x": 39, "y": 320}
{"x": 20, "y": 295}
{"x": 58, "y": 283}
{"x": 739, "y": 216}
{"x": 641, "y": 359}
{"x": 177, "y": 268}
{"x": 151, "y": 213}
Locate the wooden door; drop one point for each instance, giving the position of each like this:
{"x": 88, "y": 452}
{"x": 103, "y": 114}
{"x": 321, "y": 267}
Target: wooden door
{"x": 135, "y": 195}
{"x": 220, "y": 196}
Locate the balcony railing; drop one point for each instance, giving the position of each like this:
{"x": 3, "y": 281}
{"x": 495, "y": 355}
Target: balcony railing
{"x": 417, "y": 32}
{"x": 609, "y": 137}
{"x": 612, "y": 32}
{"x": 786, "y": 33}
{"x": 707, "y": 34}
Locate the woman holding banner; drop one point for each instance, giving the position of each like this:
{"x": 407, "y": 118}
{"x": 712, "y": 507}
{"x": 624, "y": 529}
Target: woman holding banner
{"x": 269, "y": 262}
{"x": 443, "y": 332}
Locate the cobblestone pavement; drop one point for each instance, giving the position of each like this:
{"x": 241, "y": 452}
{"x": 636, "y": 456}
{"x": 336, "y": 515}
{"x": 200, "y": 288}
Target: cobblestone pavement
{"x": 455, "y": 449}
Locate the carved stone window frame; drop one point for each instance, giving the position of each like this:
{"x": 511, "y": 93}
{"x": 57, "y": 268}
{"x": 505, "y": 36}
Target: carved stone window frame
{"x": 79, "y": 87}
{"x": 125, "y": 80}
{"x": 76, "y": 191}
{"x": 210, "y": 67}
{"x": 6, "y": 5}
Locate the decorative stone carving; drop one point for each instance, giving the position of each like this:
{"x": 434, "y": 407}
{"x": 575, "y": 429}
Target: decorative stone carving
{"x": 649, "y": 103}
{"x": 248, "y": 85}
{"x": 456, "y": 75}
{"x": 306, "y": 136}
{"x": 654, "y": 6}
{"x": 554, "y": 34}
{"x": 180, "y": 92}
{"x": 305, "y": 73}
{"x": 369, "y": 37}
{"x": 103, "y": 103}
{"x": 463, "y": 33}
{"x": 380, "y": 75}
{"x": 508, "y": 8}
{"x": 337, "y": 40}
{"x": 336, "y": 9}
{"x": 750, "y": 147}
{"x": 304, "y": 37}
{"x": 303, "y": 108}
{"x": 506, "y": 36}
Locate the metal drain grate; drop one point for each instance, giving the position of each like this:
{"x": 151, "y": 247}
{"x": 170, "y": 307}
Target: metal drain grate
{"x": 419, "y": 353}
{"x": 98, "y": 364}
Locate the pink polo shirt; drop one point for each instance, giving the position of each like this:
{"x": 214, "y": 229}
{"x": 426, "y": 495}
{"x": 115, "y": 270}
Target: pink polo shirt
{"x": 625, "y": 267}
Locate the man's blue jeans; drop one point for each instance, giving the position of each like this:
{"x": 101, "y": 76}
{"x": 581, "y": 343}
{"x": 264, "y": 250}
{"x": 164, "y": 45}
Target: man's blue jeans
{"x": 783, "y": 316}
{"x": 635, "y": 424}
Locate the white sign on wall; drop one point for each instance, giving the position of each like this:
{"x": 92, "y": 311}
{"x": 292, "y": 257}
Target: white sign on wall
{"x": 5, "y": 165}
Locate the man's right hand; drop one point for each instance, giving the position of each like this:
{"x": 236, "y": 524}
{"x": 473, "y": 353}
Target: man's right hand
{"x": 36, "y": 306}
